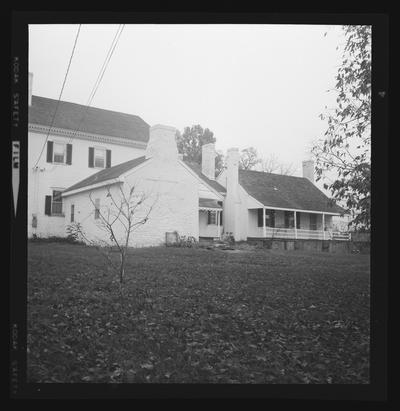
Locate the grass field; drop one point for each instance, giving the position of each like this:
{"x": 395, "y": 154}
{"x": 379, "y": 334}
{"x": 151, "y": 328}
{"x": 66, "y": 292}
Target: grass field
{"x": 198, "y": 316}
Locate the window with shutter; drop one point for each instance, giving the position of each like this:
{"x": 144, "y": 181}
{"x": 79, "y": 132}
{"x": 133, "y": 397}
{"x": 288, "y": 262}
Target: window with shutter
{"x": 72, "y": 213}
{"x": 298, "y": 220}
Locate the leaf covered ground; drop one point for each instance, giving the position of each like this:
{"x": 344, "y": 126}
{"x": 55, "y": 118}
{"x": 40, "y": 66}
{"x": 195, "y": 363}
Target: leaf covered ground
{"x": 198, "y": 316}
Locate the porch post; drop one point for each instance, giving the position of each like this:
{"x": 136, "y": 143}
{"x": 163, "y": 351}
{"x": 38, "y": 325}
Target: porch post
{"x": 264, "y": 229}
{"x": 218, "y": 223}
{"x": 295, "y": 224}
{"x": 323, "y": 224}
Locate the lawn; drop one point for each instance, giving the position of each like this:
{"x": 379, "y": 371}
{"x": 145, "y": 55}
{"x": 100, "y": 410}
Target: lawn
{"x": 198, "y": 316}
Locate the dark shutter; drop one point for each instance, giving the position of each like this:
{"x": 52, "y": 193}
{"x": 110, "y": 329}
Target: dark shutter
{"x": 91, "y": 157}
{"x": 220, "y": 218}
{"x": 47, "y": 205}
{"x": 208, "y": 217}
{"x": 108, "y": 158}
{"x": 49, "y": 152}
{"x": 297, "y": 220}
{"x": 260, "y": 217}
{"x": 69, "y": 154}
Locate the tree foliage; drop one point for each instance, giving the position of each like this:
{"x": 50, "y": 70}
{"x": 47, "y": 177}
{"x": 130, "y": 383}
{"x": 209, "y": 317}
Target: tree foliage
{"x": 249, "y": 159}
{"x": 345, "y": 148}
{"x": 190, "y": 142}
{"x": 271, "y": 164}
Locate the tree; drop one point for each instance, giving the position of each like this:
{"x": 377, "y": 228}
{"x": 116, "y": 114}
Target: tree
{"x": 190, "y": 142}
{"x": 345, "y": 149}
{"x": 121, "y": 214}
{"x": 271, "y": 164}
{"x": 249, "y": 159}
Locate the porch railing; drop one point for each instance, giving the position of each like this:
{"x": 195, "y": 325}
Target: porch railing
{"x": 302, "y": 234}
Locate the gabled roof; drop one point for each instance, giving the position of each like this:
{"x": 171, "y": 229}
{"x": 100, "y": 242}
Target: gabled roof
{"x": 96, "y": 120}
{"x": 107, "y": 174}
{"x": 209, "y": 203}
{"x": 197, "y": 169}
{"x": 276, "y": 190}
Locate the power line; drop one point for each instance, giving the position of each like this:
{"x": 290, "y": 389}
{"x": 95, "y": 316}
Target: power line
{"x": 99, "y": 77}
{"x": 59, "y": 97}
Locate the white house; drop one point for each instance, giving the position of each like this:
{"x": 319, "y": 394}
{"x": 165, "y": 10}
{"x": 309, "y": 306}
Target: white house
{"x": 174, "y": 195}
{"x": 81, "y": 142}
{"x": 91, "y": 156}
{"x": 267, "y": 205}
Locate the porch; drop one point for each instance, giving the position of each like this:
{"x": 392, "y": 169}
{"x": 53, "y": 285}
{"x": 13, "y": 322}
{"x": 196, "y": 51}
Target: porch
{"x": 292, "y": 224}
{"x": 210, "y": 218}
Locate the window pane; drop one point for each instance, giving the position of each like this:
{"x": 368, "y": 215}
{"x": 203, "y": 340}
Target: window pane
{"x": 99, "y": 158}
{"x": 59, "y": 153}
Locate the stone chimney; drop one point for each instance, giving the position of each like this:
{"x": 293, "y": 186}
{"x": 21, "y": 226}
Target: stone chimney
{"x": 162, "y": 144}
{"x": 30, "y": 81}
{"x": 308, "y": 170}
{"x": 208, "y": 160}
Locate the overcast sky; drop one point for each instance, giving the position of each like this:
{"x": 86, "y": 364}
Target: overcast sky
{"x": 252, "y": 85}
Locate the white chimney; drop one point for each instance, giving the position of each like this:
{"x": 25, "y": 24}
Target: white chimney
{"x": 208, "y": 160}
{"x": 232, "y": 170}
{"x": 232, "y": 203}
{"x": 30, "y": 81}
{"x": 162, "y": 144}
{"x": 308, "y": 170}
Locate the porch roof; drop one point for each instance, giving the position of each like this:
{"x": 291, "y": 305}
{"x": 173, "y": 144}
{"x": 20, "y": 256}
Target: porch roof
{"x": 208, "y": 203}
{"x": 286, "y": 192}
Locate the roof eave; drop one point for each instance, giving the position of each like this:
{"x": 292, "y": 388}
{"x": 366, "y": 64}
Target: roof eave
{"x": 92, "y": 186}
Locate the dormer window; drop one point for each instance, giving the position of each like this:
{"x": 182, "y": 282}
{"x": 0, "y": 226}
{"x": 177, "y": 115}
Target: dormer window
{"x": 99, "y": 157}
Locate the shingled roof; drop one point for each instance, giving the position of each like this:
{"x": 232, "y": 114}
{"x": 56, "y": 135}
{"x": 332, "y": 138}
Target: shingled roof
{"x": 197, "y": 169}
{"x": 96, "y": 120}
{"x": 276, "y": 190}
{"x": 107, "y": 174}
{"x": 118, "y": 170}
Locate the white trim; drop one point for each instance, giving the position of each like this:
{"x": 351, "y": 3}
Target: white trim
{"x": 37, "y": 128}
{"x": 219, "y": 195}
{"x": 92, "y": 186}
{"x": 210, "y": 209}
{"x": 295, "y": 209}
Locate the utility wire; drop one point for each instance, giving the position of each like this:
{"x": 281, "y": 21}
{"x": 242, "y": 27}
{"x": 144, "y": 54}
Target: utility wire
{"x": 59, "y": 97}
{"x": 99, "y": 77}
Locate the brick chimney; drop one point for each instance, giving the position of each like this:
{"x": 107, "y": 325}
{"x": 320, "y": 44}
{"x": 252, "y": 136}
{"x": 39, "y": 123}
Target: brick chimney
{"x": 308, "y": 170}
{"x": 162, "y": 144}
{"x": 30, "y": 81}
{"x": 208, "y": 160}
